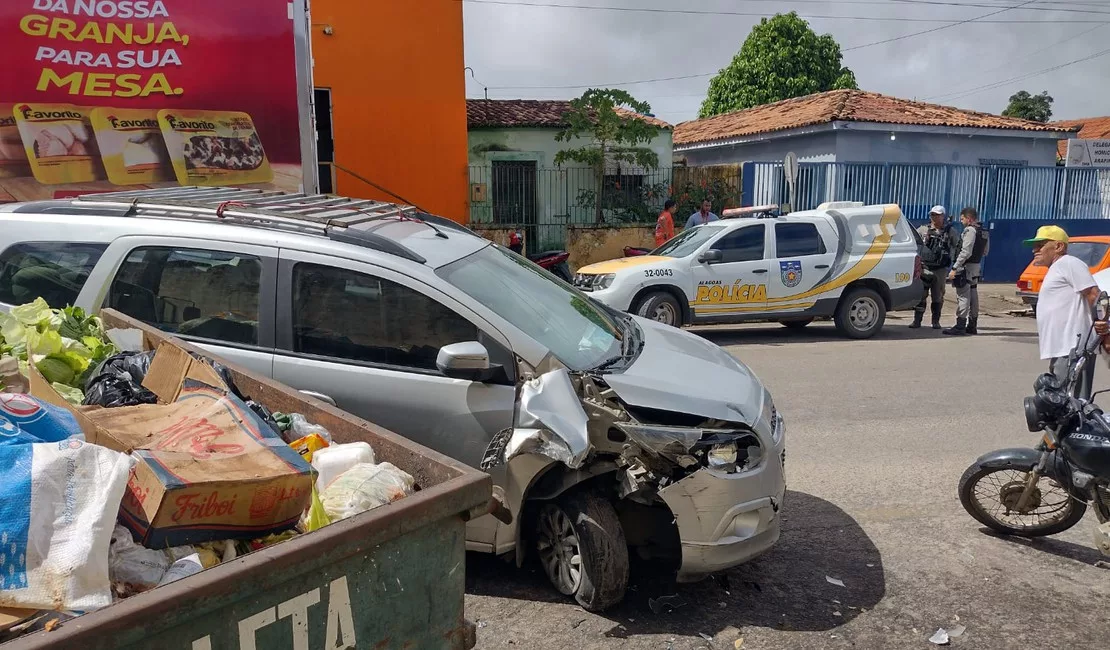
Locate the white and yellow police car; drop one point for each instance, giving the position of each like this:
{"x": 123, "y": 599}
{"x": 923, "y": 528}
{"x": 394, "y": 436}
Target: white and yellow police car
{"x": 845, "y": 260}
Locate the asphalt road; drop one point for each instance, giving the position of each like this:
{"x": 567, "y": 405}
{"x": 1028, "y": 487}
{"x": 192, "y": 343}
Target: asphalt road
{"x": 878, "y": 433}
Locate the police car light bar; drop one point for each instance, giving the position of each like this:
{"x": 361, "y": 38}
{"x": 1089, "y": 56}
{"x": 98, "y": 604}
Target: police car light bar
{"x": 750, "y": 210}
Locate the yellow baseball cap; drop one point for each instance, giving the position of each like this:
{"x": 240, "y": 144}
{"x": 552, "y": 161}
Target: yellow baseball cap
{"x": 1048, "y": 233}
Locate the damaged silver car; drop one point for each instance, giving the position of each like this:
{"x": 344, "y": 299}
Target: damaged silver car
{"x": 605, "y": 434}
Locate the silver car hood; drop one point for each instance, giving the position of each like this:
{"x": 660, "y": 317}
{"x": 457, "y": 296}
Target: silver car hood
{"x": 681, "y": 372}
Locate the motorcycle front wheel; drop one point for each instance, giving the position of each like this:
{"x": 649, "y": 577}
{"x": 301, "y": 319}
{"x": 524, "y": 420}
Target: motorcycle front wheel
{"x": 991, "y": 496}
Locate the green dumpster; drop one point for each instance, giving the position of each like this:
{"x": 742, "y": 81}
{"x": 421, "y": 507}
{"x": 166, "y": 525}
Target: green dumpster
{"x": 392, "y": 577}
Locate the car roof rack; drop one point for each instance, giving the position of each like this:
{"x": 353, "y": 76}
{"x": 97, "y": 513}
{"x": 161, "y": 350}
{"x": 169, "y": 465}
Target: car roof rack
{"x": 322, "y": 214}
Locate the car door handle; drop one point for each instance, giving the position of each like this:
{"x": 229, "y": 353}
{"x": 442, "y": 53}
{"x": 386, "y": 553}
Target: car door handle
{"x": 821, "y": 266}
{"x": 320, "y": 396}
{"x": 760, "y": 271}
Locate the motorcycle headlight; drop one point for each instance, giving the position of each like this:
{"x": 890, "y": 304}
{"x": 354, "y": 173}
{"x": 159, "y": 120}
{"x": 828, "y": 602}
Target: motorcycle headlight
{"x": 722, "y": 456}
{"x": 605, "y": 281}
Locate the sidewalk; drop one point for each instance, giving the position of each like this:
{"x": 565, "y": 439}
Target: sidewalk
{"x": 994, "y": 300}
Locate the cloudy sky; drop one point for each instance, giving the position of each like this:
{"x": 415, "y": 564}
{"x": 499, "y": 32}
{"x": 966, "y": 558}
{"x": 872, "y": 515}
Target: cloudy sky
{"x": 979, "y": 53}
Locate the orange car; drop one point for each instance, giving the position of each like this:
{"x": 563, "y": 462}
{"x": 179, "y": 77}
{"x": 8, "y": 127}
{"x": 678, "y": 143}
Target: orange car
{"x": 1093, "y": 249}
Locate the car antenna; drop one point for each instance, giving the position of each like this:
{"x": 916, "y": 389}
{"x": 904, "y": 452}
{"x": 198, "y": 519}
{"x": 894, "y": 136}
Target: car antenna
{"x": 439, "y": 233}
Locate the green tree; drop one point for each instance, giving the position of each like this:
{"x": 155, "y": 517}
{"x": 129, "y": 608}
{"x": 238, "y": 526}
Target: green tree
{"x": 781, "y": 58}
{"x": 1037, "y": 108}
{"x": 611, "y": 135}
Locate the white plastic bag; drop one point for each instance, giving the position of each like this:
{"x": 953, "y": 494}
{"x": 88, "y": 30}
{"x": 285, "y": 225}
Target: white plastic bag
{"x": 364, "y": 487}
{"x": 302, "y": 428}
{"x": 332, "y": 461}
{"x": 58, "y": 506}
{"x": 182, "y": 568}
{"x": 134, "y": 565}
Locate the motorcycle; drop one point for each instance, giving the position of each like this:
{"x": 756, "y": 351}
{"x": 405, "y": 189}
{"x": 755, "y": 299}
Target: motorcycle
{"x": 636, "y": 251}
{"x": 1045, "y": 490}
{"x": 554, "y": 261}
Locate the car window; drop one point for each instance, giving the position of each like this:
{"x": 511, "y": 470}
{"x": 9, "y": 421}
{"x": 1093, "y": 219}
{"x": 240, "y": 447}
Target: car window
{"x": 688, "y": 241}
{"x": 1089, "y": 251}
{"x": 54, "y": 271}
{"x": 192, "y": 292}
{"x": 797, "y": 240}
{"x": 358, "y": 317}
{"x": 743, "y": 245}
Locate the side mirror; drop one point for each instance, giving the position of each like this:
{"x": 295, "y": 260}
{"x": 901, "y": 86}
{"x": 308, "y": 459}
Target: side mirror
{"x": 468, "y": 360}
{"x": 711, "y": 256}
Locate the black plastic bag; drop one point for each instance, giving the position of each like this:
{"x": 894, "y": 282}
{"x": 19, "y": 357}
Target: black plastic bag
{"x": 118, "y": 381}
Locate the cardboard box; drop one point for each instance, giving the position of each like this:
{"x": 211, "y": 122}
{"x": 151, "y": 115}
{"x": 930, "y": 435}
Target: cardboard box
{"x": 208, "y": 467}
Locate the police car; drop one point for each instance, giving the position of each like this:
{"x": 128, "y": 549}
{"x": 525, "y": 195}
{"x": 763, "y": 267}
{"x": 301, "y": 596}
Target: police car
{"x": 845, "y": 260}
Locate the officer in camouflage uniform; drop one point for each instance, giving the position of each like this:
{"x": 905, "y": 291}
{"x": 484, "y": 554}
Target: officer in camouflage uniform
{"x": 939, "y": 245}
{"x": 974, "y": 246}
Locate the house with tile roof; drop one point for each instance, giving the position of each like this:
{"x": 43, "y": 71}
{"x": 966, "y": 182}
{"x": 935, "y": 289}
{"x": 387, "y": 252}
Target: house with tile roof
{"x": 1090, "y": 128}
{"x": 867, "y": 127}
{"x": 513, "y": 176}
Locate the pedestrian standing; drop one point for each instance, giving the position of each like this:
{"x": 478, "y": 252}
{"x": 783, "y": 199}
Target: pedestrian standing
{"x": 1063, "y": 303}
{"x": 702, "y": 216}
{"x": 664, "y": 225}
{"x": 939, "y": 246}
{"x": 974, "y": 246}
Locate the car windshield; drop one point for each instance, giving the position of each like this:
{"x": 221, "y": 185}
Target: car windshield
{"x": 573, "y": 328}
{"x": 1090, "y": 252}
{"x": 688, "y": 241}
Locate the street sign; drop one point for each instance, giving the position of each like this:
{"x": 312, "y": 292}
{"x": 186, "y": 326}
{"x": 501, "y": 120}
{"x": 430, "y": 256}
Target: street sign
{"x": 1088, "y": 153}
{"x": 790, "y": 170}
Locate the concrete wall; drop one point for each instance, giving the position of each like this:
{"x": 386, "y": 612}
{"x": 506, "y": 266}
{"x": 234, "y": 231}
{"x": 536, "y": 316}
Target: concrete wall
{"x": 817, "y": 147}
{"x": 589, "y": 244}
{"x": 876, "y": 146}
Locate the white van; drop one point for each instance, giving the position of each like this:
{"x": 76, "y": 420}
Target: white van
{"x": 848, "y": 261}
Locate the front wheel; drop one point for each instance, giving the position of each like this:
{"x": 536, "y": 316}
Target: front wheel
{"x": 583, "y": 550}
{"x": 661, "y": 307}
{"x": 860, "y": 314}
{"x": 991, "y": 496}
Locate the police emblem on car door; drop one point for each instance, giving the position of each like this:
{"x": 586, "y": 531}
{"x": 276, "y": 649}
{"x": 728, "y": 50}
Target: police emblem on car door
{"x": 791, "y": 272}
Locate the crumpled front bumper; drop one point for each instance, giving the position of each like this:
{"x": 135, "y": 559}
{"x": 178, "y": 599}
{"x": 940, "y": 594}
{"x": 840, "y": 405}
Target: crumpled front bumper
{"x": 727, "y": 519}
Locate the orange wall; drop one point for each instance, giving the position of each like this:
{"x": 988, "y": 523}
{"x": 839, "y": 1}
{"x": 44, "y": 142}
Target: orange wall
{"x": 395, "y": 69}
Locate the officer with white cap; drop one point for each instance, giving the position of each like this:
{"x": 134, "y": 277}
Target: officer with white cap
{"x": 939, "y": 245}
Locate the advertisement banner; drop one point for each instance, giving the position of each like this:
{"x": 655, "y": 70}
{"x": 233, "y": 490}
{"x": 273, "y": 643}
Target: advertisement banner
{"x": 1088, "y": 153}
{"x": 109, "y": 95}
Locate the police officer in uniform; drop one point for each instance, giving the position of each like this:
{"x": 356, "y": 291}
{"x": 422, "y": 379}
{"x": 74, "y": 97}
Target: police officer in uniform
{"x": 974, "y": 246}
{"x": 939, "y": 245}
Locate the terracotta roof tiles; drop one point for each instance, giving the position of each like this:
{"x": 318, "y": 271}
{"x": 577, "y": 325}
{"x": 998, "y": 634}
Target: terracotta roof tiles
{"x": 521, "y": 113}
{"x": 847, "y": 106}
{"x": 1090, "y": 128}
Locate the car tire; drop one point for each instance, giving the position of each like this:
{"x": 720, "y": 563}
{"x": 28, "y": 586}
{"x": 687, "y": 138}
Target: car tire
{"x": 661, "y": 307}
{"x": 796, "y": 324}
{"x": 861, "y": 313}
{"x": 582, "y": 549}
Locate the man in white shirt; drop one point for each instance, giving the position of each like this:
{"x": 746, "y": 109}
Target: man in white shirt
{"x": 1063, "y": 303}
{"x": 702, "y": 216}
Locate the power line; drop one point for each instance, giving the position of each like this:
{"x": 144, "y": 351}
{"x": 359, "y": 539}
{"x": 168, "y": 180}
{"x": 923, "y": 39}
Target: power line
{"x": 999, "y": 84}
{"x": 1026, "y": 57}
{"x": 757, "y": 14}
{"x": 937, "y": 29}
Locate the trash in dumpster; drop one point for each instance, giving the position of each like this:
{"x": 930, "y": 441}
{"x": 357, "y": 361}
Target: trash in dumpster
{"x": 118, "y": 381}
{"x": 59, "y": 496}
{"x": 133, "y": 568}
{"x": 308, "y": 445}
{"x": 299, "y": 427}
{"x": 11, "y": 380}
{"x": 207, "y": 467}
{"x": 364, "y": 487}
{"x": 315, "y": 518}
{"x": 64, "y": 345}
{"x": 336, "y": 459}
{"x": 183, "y": 568}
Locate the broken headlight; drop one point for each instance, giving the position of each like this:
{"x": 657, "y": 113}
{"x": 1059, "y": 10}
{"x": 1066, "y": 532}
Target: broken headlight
{"x": 722, "y": 456}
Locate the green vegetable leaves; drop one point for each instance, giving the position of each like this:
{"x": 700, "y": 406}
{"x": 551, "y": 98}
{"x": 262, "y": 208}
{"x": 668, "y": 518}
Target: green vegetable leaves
{"x": 65, "y": 345}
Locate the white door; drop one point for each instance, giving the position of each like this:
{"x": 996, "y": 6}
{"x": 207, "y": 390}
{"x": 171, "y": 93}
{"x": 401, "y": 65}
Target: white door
{"x": 801, "y": 265}
{"x": 736, "y": 284}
